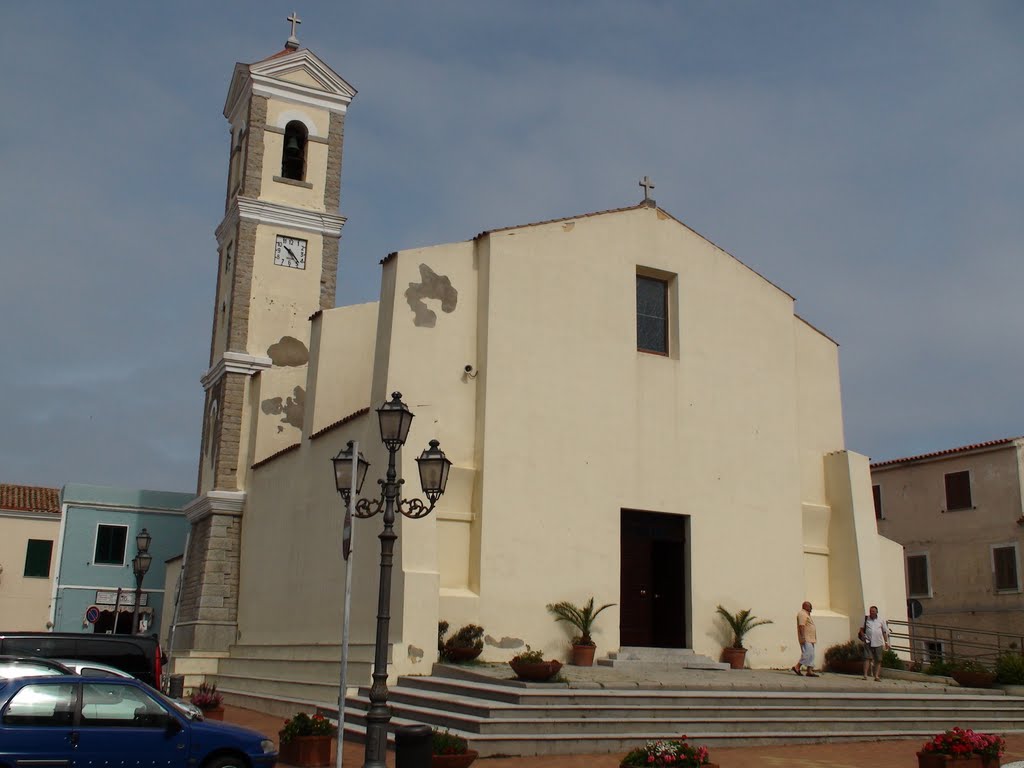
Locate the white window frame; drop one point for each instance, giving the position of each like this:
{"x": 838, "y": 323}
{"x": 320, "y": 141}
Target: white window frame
{"x": 992, "y": 559}
{"x": 928, "y": 561}
{"x": 96, "y": 540}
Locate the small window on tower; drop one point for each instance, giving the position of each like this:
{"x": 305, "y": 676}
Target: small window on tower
{"x": 293, "y": 158}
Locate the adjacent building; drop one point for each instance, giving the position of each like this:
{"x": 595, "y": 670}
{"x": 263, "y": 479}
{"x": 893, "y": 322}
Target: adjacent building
{"x": 94, "y": 586}
{"x": 30, "y": 520}
{"x": 959, "y": 515}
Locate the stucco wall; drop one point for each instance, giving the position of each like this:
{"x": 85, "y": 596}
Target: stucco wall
{"x": 563, "y": 424}
{"x": 25, "y": 601}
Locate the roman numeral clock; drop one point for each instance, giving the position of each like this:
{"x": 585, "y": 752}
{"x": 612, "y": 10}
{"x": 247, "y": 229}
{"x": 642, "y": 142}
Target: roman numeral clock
{"x": 290, "y": 252}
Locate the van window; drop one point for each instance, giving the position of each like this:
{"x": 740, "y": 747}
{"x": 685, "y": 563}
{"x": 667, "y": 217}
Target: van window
{"x": 47, "y": 647}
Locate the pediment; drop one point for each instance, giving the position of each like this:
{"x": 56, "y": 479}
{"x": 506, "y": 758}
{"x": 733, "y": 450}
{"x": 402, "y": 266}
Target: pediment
{"x": 299, "y": 76}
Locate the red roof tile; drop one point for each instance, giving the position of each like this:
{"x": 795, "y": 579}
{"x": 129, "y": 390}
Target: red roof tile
{"x": 947, "y": 452}
{"x": 29, "y": 498}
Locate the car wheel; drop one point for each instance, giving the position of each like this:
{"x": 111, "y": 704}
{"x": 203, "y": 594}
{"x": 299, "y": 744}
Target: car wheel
{"x": 226, "y": 761}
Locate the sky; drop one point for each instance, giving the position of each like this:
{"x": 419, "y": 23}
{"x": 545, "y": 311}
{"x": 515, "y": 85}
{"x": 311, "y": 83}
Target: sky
{"x": 865, "y": 157}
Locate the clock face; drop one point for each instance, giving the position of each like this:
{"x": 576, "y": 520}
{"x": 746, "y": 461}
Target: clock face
{"x": 290, "y": 252}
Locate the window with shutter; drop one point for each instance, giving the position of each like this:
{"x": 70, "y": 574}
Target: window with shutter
{"x": 958, "y": 490}
{"x": 917, "y": 576}
{"x": 1004, "y": 563}
{"x": 110, "y": 544}
{"x": 37, "y": 558}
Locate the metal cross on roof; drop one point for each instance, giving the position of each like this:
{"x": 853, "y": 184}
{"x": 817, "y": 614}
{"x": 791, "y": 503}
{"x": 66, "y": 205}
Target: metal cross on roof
{"x": 293, "y": 41}
{"x": 648, "y": 185}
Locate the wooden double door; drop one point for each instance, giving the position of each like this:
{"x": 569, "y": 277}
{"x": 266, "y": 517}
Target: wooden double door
{"x": 653, "y": 580}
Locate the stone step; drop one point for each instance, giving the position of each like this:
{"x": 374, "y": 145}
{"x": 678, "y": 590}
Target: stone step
{"x": 535, "y": 743}
{"x": 311, "y": 652}
{"x": 292, "y": 669}
{"x": 703, "y": 708}
{"x": 525, "y": 694}
{"x": 685, "y": 721}
{"x": 320, "y": 693}
{"x": 683, "y": 658}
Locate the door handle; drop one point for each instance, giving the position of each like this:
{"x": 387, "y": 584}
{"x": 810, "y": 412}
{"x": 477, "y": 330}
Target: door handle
{"x": 73, "y": 738}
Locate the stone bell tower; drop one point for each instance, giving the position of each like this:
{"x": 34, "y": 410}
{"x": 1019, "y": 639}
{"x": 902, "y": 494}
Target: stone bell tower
{"x": 277, "y": 249}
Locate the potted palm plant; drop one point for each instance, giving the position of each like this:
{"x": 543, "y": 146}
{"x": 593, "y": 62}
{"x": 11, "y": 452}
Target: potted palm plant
{"x": 582, "y": 618}
{"x": 740, "y": 623}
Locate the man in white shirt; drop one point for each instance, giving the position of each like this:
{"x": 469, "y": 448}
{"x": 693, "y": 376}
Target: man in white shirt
{"x": 875, "y": 634}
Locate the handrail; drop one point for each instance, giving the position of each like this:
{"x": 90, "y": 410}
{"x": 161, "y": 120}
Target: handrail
{"x": 980, "y": 644}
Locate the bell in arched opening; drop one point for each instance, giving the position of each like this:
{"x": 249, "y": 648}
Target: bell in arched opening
{"x": 293, "y": 157}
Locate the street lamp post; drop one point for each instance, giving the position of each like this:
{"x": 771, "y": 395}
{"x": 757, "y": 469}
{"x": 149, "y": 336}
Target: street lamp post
{"x": 395, "y": 419}
{"x": 140, "y": 566}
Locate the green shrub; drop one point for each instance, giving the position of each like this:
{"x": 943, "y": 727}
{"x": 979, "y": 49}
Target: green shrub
{"x": 852, "y": 650}
{"x": 891, "y": 661}
{"x": 470, "y": 636}
{"x": 1010, "y": 669}
{"x": 968, "y": 665}
{"x": 939, "y": 667}
{"x": 445, "y": 743}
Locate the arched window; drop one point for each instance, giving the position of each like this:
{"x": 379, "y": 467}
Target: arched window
{"x": 293, "y": 158}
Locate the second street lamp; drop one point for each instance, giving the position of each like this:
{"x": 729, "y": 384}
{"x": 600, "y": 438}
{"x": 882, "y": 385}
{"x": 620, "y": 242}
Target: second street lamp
{"x": 140, "y": 567}
{"x": 395, "y": 419}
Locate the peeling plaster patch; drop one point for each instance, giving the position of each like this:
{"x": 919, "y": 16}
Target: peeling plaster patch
{"x": 568, "y": 226}
{"x": 288, "y": 352}
{"x": 432, "y": 286}
{"x": 505, "y": 642}
{"x": 290, "y": 410}
{"x": 416, "y": 654}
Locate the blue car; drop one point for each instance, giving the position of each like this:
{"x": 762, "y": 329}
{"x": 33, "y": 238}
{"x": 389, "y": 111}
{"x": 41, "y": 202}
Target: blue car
{"x": 66, "y": 720}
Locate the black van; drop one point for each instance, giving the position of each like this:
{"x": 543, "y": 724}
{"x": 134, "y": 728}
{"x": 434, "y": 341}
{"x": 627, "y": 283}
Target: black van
{"x": 138, "y": 655}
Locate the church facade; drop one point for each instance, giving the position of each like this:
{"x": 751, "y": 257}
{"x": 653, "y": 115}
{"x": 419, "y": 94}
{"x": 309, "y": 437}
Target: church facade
{"x": 631, "y": 412}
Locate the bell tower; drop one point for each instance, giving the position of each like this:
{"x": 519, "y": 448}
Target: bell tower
{"x": 277, "y": 248}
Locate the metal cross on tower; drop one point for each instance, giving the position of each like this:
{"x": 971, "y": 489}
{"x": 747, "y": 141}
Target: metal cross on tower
{"x": 648, "y": 185}
{"x": 293, "y": 42}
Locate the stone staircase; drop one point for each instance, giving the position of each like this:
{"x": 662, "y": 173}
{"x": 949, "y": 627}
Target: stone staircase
{"x": 282, "y": 679}
{"x": 683, "y": 658}
{"x": 505, "y": 717}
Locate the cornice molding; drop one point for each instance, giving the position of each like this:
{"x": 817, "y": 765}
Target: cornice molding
{"x": 230, "y": 503}
{"x": 264, "y": 212}
{"x": 264, "y": 79}
{"x": 234, "y": 362}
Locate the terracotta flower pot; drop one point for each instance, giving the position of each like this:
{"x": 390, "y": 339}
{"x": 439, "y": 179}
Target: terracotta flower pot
{"x": 734, "y": 657}
{"x": 934, "y": 760}
{"x": 217, "y": 713}
{"x": 458, "y": 655}
{"x": 846, "y": 667}
{"x": 973, "y": 679}
{"x": 538, "y": 672}
{"x": 454, "y": 761}
{"x": 583, "y": 655}
{"x": 305, "y": 751}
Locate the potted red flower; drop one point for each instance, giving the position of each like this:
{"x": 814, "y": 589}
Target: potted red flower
{"x": 209, "y": 700}
{"x": 962, "y": 748}
{"x": 306, "y": 741}
{"x": 668, "y": 753}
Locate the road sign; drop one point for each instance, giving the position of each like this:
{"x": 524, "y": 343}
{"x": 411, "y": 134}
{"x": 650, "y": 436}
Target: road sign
{"x": 914, "y": 608}
{"x": 92, "y": 614}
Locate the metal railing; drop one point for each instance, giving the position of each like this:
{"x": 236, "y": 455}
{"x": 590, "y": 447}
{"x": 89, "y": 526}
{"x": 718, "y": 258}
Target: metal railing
{"x": 930, "y": 642}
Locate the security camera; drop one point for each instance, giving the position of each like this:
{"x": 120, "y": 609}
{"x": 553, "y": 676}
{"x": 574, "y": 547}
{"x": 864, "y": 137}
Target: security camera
{"x": 468, "y": 368}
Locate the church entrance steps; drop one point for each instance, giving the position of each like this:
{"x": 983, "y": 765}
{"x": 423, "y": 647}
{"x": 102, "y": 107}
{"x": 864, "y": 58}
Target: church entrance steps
{"x": 502, "y": 716}
{"x": 683, "y": 658}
